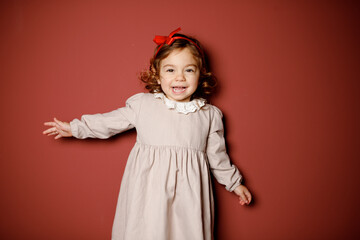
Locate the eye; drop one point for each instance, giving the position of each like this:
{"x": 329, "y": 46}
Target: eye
{"x": 169, "y": 70}
{"x": 190, "y": 70}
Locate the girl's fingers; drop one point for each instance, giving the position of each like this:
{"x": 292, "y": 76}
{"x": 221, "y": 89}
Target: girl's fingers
{"x": 49, "y": 124}
{"x": 52, "y": 133}
{"x": 243, "y": 197}
{"x": 59, "y": 129}
{"x": 50, "y": 130}
{"x": 57, "y": 122}
{"x": 61, "y": 132}
{"x": 54, "y": 127}
{"x": 58, "y": 136}
{"x": 248, "y": 195}
{"x": 60, "y": 123}
{"x": 57, "y": 126}
{"x": 53, "y": 123}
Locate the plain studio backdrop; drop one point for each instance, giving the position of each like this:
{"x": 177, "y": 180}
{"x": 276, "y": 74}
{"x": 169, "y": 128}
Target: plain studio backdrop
{"x": 288, "y": 76}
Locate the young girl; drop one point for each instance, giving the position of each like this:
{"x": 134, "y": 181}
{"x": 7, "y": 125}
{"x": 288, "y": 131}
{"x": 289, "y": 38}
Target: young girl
{"x": 166, "y": 191}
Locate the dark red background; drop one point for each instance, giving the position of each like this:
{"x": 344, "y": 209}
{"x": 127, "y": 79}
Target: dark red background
{"x": 289, "y": 85}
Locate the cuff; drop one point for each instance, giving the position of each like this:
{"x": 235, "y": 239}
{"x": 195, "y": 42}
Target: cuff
{"x": 74, "y": 128}
{"x": 234, "y": 185}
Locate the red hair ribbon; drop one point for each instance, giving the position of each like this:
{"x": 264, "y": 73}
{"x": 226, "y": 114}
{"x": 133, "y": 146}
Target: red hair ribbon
{"x": 161, "y": 40}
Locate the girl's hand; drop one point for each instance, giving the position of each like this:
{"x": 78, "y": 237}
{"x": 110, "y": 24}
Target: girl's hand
{"x": 244, "y": 194}
{"x": 58, "y": 128}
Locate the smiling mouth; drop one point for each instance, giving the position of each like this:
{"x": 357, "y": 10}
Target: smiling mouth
{"x": 178, "y": 89}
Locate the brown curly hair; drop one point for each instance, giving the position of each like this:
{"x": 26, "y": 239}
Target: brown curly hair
{"x": 207, "y": 81}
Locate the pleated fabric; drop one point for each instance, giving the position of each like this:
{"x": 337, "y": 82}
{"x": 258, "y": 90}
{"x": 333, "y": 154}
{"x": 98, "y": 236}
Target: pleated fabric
{"x": 166, "y": 191}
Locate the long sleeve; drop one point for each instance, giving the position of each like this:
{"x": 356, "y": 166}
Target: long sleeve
{"x": 220, "y": 165}
{"x": 105, "y": 125}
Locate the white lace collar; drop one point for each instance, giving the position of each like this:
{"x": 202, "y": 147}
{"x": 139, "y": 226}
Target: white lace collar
{"x": 181, "y": 107}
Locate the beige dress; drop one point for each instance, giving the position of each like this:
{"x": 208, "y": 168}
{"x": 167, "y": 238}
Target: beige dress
{"x": 166, "y": 191}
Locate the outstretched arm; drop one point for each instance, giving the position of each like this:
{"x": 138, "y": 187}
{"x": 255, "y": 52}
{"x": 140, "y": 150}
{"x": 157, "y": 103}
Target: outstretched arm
{"x": 98, "y": 125}
{"x": 58, "y": 128}
{"x": 244, "y": 194}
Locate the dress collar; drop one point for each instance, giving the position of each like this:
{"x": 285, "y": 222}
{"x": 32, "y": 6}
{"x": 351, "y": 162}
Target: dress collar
{"x": 181, "y": 107}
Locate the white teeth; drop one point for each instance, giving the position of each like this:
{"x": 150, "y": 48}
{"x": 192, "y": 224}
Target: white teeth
{"x": 178, "y": 89}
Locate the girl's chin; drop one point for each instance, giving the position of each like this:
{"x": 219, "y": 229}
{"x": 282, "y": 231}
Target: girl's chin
{"x": 179, "y": 98}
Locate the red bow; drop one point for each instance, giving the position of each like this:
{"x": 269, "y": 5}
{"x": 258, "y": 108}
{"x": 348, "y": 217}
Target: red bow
{"x": 161, "y": 40}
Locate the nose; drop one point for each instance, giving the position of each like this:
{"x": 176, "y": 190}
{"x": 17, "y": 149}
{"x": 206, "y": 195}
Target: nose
{"x": 180, "y": 76}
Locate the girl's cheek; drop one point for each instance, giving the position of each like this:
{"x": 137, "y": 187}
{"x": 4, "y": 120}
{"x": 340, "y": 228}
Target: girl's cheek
{"x": 191, "y": 74}
{"x": 166, "y": 74}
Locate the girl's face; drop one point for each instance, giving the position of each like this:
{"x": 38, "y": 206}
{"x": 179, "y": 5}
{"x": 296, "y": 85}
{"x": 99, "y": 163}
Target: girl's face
{"x": 179, "y": 75}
